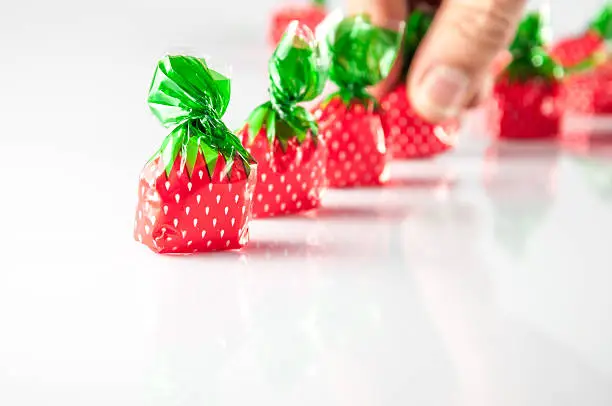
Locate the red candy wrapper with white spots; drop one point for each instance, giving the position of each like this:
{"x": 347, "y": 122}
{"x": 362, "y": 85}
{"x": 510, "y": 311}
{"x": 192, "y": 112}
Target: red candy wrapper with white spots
{"x": 408, "y": 135}
{"x": 526, "y": 96}
{"x": 357, "y": 155}
{"x": 587, "y": 99}
{"x": 362, "y": 55}
{"x": 195, "y": 193}
{"x": 528, "y": 110}
{"x": 283, "y": 136}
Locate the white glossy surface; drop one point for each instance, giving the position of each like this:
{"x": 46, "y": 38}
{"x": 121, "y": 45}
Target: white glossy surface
{"x": 480, "y": 278}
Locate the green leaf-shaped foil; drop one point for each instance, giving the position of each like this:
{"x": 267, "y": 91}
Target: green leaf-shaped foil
{"x": 190, "y": 98}
{"x": 602, "y": 23}
{"x": 417, "y": 25}
{"x": 530, "y": 59}
{"x": 297, "y": 73}
{"x": 362, "y": 54}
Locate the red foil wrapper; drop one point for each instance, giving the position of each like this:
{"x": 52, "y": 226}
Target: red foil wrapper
{"x": 589, "y": 92}
{"x": 410, "y": 136}
{"x": 356, "y": 143}
{"x": 290, "y": 180}
{"x": 587, "y": 98}
{"x": 185, "y": 214}
{"x": 525, "y": 110}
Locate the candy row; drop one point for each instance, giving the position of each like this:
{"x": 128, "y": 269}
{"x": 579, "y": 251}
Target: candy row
{"x": 204, "y": 184}
{"x": 562, "y": 91}
{"x": 201, "y": 188}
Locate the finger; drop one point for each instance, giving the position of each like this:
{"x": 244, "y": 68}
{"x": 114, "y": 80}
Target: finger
{"x": 426, "y": 5}
{"x": 486, "y": 89}
{"x": 387, "y": 14}
{"x": 457, "y": 54}
{"x": 484, "y": 94}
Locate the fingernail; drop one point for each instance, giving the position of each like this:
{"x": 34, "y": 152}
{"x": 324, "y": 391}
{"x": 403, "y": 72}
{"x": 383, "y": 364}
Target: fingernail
{"x": 442, "y": 92}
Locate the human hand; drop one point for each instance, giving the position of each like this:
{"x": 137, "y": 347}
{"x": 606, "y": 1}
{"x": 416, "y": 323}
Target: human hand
{"x": 453, "y": 67}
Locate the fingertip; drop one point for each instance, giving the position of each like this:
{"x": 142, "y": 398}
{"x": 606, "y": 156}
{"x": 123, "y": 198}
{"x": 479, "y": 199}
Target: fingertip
{"x": 441, "y": 94}
{"x": 484, "y": 94}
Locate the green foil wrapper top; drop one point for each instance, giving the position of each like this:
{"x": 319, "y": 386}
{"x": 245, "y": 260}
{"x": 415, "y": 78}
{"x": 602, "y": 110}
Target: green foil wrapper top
{"x": 190, "y": 98}
{"x": 417, "y": 25}
{"x": 530, "y": 60}
{"x": 297, "y": 73}
{"x": 602, "y": 23}
{"x": 361, "y": 55}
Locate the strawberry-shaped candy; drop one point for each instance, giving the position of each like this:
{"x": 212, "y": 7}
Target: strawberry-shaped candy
{"x": 589, "y": 48}
{"x": 525, "y": 103}
{"x": 587, "y": 98}
{"x": 408, "y": 135}
{"x": 590, "y": 92}
{"x": 282, "y": 136}
{"x": 310, "y": 15}
{"x": 195, "y": 193}
{"x": 362, "y": 55}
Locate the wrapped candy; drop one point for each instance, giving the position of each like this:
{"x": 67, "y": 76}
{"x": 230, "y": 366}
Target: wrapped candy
{"x": 195, "y": 192}
{"x": 587, "y": 98}
{"x": 283, "y": 136}
{"x": 310, "y": 15}
{"x": 525, "y": 103}
{"x": 362, "y": 55}
{"x": 587, "y": 90}
{"x": 408, "y": 135}
{"x": 588, "y": 49}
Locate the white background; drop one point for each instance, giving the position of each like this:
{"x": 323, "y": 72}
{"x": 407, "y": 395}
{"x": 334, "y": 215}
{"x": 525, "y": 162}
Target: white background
{"x": 442, "y": 289}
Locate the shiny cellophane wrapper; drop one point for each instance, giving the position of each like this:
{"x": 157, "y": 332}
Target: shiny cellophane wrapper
{"x": 526, "y": 102}
{"x": 282, "y": 135}
{"x": 361, "y": 55}
{"x": 195, "y": 193}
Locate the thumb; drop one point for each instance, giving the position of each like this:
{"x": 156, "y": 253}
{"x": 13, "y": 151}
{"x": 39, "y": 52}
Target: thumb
{"x": 455, "y": 59}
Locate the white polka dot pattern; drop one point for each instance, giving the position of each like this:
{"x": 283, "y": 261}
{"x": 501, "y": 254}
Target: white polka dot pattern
{"x": 290, "y": 180}
{"x": 408, "y": 135}
{"x": 186, "y": 214}
{"x": 354, "y": 134}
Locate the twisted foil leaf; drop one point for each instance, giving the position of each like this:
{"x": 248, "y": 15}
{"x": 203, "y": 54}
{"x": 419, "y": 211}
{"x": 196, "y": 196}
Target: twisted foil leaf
{"x": 297, "y": 73}
{"x": 362, "y": 55}
{"x": 417, "y": 25}
{"x": 190, "y": 98}
{"x": 602, "y": 23}
{"x": 529, "y": 58}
